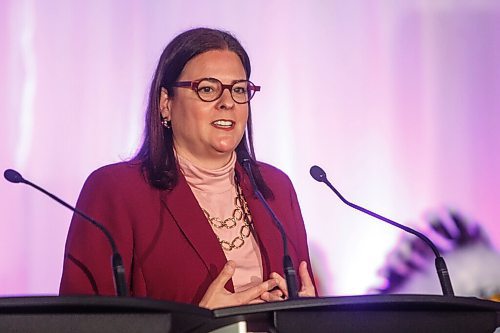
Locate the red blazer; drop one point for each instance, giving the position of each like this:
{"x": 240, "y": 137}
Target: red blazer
{"x": 169, "y": 250}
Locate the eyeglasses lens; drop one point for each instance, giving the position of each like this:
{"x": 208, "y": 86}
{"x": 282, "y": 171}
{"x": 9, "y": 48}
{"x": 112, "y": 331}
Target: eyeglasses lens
{"x": 211, "y": 89}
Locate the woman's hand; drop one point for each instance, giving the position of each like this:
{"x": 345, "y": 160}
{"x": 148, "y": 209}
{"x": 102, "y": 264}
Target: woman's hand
{"x": 217, "y": 296}
{"x": 307, "y": 287}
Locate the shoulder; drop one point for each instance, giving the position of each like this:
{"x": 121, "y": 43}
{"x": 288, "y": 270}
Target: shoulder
{"x": 270, "y": 170}
{"x": 121, "y": 176}
{"x": 273, "y": 176}
{"x": 118, "y": 169}
{"x": 120, "y": 186}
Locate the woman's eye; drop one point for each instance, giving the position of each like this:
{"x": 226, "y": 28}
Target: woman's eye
{"x": 239, "y": 90}
{"x": 205, "y": 90}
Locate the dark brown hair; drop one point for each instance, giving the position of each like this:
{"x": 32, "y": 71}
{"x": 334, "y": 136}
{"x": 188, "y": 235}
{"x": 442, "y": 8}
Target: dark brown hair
{"x": 156, "y": 154}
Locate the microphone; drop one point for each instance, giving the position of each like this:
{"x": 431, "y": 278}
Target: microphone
{"x": 444, "y": 278}
{"x": 116, "y": 259}
{"x": 290, "y": 274}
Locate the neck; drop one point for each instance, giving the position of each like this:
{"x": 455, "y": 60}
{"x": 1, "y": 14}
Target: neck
{"x": 207, "y": 162}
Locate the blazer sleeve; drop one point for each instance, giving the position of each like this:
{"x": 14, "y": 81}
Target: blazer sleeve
{"x": 300, "y": 231}
{"x": 87, "y": 259}
{"x": 287, "y": 207}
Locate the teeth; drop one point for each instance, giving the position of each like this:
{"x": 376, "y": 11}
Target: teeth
{"x": 223, "y": 123}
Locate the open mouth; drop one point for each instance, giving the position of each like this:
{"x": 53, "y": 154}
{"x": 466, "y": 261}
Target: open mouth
{"x": 223, "y": 124}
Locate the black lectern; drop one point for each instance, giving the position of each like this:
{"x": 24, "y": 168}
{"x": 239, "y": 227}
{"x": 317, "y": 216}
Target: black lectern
{"x": 98, "y": 314}
{"x": 369, "y": 313}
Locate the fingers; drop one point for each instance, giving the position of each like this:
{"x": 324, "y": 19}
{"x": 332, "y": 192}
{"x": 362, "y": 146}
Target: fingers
{"x": 276, "y": 292}
{"x": 307, "y": 286}
{"x": 216, "y": 294}
{"x": 256, "y": 301}
{"x": 255, "y": 292}
{"x": 224, "y": 276}
{"x": 274, "y": 295}
{"x": 272, "y": 290}
{"x": 281, "y": 283}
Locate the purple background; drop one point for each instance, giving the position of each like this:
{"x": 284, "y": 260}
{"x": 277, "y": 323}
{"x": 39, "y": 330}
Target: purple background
{"x": 399, "y": 101}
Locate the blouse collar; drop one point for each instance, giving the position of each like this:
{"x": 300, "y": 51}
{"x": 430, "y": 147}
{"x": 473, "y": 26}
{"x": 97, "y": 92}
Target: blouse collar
{"x": 208, "y": 180}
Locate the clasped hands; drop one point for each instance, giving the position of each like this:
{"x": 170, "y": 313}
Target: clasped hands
{"x": 273, "y": 289}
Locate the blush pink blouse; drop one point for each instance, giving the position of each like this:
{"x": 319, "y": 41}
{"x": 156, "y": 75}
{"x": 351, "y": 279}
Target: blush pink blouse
{"x": 215, "y": 191}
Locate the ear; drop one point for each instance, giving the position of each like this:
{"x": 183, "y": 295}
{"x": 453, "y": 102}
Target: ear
{"x": 164, "y": 104}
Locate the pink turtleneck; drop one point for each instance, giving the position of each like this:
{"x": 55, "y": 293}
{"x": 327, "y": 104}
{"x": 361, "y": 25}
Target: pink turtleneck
{"x": 215, "y": 191}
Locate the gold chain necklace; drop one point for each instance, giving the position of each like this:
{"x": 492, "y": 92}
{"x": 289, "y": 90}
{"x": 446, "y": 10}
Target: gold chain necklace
{"x": 240, "y": 212}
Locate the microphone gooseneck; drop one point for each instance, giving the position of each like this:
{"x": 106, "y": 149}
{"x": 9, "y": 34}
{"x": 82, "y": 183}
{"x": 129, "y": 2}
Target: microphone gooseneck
{"x": 290, "y": 273}
{"x": 444, "y": 278}
{"x": 116, "y": 259}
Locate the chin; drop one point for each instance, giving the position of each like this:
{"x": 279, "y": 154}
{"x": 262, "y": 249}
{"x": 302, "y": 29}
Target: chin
{"x": 225, "y": 147}
{"x": 225, "y": 151}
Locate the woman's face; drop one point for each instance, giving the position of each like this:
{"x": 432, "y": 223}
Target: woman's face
{"x": 207, "y": 132}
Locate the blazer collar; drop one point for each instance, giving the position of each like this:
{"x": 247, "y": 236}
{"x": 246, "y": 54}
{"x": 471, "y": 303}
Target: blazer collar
{"x": 187, "y": 213}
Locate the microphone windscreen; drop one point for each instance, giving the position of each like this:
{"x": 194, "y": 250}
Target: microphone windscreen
{"x": 13, "y": 176}
{"x": 317, "y": 173}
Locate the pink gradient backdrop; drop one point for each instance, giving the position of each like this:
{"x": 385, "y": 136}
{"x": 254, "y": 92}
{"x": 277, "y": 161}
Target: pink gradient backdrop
{"x": 398, "y": 101}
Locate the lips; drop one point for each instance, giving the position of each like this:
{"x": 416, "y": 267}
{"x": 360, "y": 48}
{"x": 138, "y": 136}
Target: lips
{"x": 223, "y": 124}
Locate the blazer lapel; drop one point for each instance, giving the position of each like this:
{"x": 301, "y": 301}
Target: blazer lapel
{"x": 186, "y": 212}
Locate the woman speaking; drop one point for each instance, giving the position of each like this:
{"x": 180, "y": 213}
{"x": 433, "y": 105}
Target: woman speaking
{"x": 182, "y": 211}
